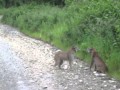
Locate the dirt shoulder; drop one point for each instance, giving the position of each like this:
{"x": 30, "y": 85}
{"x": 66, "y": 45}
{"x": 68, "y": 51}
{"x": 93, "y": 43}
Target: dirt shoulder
{"x": 37, "y": 60}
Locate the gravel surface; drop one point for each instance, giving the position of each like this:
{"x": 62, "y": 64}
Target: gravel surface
{"x": 27, "y": 64}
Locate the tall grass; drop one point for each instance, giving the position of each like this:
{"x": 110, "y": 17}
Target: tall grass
{"x": 82, "y": 23}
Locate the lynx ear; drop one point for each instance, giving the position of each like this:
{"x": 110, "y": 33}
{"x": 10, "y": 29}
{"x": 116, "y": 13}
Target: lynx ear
{"x": 75, "y": 48}
{"x": 89, "y": 50}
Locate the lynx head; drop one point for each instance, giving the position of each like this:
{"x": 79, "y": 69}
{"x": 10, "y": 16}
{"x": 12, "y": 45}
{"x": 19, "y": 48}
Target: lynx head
{"x": 75, "y": 48}
{"x": 91, "y": 50}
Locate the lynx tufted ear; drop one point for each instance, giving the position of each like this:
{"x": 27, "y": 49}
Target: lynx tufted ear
{"x": 75, "y": 48}
{"x": 89, "y": 50}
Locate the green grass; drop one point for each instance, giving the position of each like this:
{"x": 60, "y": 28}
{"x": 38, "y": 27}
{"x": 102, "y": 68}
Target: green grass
{"x": 84, "y": 24}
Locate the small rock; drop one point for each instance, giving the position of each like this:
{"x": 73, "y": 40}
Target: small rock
{"x": 104, "y": 81}
{"x": 71, "y": 84}
{"x": 65, "y": 87}
{"x": 96, "y": 74}
{"x": 86, "y": 68}
{"x": 81, "y": 66}
{"x": 112, "y": 81}
{"x": 75, "y": 62}
{"x": 114, "y": 86}
{"x": 94, "y": 78}
{"x": 99, "y": 74}
{"x": 90, "y": 88}
{"x": 102, "y": 74}
{"x": 105, "y": 78}
{"x": 76, "y": 77}
{"x": 80, "y": 81}
{"x": 57, "y": 51}
{"x": 65, "y": 67}
{"x": 105, "y": 85}
{"x": 20, "y": 82}
{"x": 61, "y": 86}
{"x": 44, "y": 87}
{"x": 31, "y": 81}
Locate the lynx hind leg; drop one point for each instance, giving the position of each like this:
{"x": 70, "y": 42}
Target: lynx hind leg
{"x": 95, "y": 69}
{"x": 103, "y": 70}
{"x": 70, "y": 63}
{"x": 56, "y": 59}
{"x": 100, "y": 70}
{"x": 60, "y": 63}
{"x": 56, "y": 62}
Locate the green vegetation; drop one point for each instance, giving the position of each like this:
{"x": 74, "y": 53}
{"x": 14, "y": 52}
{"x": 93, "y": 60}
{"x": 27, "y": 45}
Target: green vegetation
{"x": 16, "y": 3}
{"x": 84, "y": 23}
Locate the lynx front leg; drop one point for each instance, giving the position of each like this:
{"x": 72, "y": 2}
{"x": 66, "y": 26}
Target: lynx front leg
{"x": 70, "y": 63}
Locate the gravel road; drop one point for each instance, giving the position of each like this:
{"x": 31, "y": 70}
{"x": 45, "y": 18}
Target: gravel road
{"x": 27, "y": 64}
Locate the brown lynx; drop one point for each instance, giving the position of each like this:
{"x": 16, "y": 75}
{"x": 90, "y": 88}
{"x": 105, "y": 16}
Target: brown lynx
{"x": 61, "y": 56}
{"x": 100, "y": 66}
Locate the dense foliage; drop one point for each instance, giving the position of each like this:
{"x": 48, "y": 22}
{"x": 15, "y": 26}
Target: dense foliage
{"x": 10, "y": 3}
{"x": 85, "y": 23}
